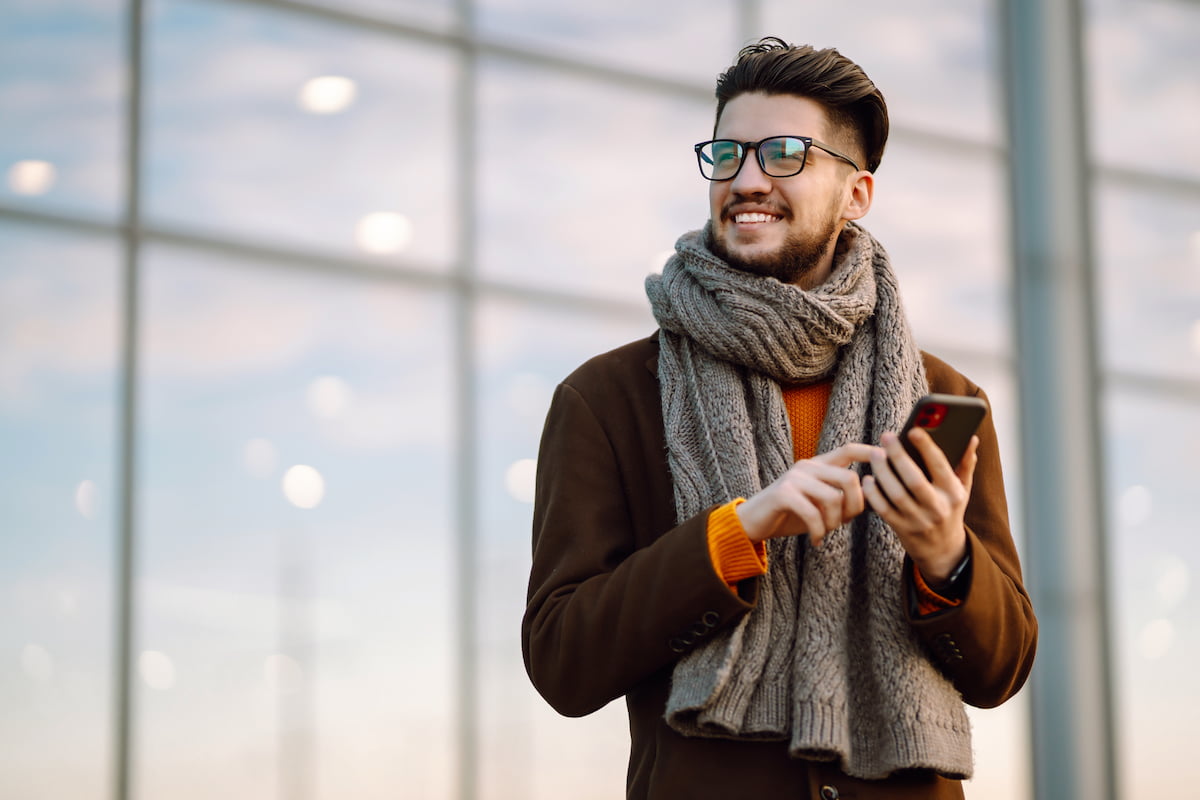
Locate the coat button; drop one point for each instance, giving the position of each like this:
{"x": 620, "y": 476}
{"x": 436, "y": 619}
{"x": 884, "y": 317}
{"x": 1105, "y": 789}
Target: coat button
{"x": 829, "y": 793}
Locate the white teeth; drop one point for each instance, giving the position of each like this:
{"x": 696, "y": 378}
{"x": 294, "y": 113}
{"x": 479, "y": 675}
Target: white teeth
{"x": 740, "y": 218}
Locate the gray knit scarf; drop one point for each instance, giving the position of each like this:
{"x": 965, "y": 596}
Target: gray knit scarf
{"x": 826, "y": 660}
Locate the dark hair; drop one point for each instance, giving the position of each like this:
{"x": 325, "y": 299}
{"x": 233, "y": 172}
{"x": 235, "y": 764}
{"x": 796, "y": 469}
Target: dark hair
{"x": 854, "y": 104}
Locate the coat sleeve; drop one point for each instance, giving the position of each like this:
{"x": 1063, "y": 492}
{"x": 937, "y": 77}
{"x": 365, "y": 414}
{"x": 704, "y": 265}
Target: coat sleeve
{"x": 608, "y": 605}
{"x": 985, "y": 645}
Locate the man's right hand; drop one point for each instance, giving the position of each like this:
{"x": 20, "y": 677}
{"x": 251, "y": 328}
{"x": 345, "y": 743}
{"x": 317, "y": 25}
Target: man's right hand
{"x": 815, "y": 496}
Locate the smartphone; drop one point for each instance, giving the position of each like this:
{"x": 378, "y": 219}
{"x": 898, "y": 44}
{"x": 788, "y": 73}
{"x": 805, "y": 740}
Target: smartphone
{"x": 951, "y": 421}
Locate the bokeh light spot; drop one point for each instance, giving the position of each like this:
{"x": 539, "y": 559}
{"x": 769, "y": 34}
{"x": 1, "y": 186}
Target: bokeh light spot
{"x": 328, "y": 397}
{"x": 383, "y": 232}
{"x": 328, "y": 94}
{"x": 157, "y": 670}
{"x": 303, "y": 486}
{"x": 85, "y": 499}
{"x": 520, "y": 479}
{"x": 31, "y": 177}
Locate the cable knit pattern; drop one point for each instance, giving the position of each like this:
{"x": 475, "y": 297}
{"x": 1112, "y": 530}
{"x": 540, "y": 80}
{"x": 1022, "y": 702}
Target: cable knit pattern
{"x": 826, "y": 660}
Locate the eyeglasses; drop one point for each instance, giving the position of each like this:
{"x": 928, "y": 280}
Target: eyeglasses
{"x": 778, "y": 156}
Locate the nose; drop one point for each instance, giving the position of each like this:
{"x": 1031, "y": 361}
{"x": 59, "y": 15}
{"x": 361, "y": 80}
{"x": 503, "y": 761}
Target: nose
{"x": 750, "y": 178}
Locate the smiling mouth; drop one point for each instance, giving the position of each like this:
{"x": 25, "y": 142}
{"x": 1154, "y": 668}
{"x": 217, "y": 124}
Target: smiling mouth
{"x": 755, "y": 218}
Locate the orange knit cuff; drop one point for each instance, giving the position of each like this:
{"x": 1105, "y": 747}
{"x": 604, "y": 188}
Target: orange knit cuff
{"x": 929, "y": 601}
{"x": 734, "y": 556}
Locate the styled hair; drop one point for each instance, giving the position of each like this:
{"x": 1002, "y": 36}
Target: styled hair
{"x": 854, "y": 104}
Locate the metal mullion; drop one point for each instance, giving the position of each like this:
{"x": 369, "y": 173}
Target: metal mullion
{"x": 467, "y": 462}
{"x": 126, "y": 562}
{"x": 1062, "y": 447}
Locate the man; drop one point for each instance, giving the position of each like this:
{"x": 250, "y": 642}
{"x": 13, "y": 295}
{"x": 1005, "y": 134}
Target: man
{"x": 727, "y": 529}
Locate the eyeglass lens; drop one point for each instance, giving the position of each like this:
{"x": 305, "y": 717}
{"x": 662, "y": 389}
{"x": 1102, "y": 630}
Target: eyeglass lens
{"x": 779, "y": 157}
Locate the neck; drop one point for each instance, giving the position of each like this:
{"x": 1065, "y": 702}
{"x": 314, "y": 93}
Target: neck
{"x": 824, "y": 268}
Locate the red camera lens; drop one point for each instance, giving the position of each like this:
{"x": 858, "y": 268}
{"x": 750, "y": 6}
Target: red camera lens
{"x": 931, "y": 415}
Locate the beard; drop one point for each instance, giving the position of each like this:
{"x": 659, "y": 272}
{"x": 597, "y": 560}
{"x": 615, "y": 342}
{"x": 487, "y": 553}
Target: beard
{"x": 799, "y": 255}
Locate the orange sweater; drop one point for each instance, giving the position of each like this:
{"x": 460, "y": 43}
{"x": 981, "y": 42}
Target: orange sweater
{"x": 734, "y": 556}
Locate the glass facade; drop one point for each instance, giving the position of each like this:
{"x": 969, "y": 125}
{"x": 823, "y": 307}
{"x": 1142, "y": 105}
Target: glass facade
{"x": 366, "y": 241}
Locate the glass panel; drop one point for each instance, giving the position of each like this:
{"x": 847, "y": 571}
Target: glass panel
{"x": 1148, "y": 254}
{"x": 62, "y": 84}
{"x": 675, "y": 38}
{"x": 58, "y": 361}
{"x": 584, "y": 186}
{"x": 1142, "y": 66}
{"x": 528, "y": 752}
{"x": 936, "y": 61}
{"x": 1154, "y": 561}
{"x": 949, "y": 246}
{"x": 296, "y": 619}
{"x": 268, "y": 126}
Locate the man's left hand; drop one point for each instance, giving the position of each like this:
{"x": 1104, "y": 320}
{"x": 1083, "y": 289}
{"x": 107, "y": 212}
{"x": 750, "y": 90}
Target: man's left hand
{"x": 926, "y": 513}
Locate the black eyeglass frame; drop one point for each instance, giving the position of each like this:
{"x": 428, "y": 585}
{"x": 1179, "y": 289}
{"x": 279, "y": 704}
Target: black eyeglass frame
{"x": 809, "y": 142}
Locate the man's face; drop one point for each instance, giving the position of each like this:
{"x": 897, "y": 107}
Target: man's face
{"x": 780, "y": 227}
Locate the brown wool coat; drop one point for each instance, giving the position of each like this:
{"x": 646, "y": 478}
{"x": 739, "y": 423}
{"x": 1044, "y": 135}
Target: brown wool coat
{"x": 617, "y": 588}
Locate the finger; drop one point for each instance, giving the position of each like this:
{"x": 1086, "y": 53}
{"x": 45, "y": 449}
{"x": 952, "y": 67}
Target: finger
{"x": 876, "y": 498}
{"x": 966, "y": 468}
{"x": 847, "y": 454}
{"x": 828, "y": 496}
{"x": 895, "y": 472}
{"x": 940, "y": 471}
{"x": 811, "y": 518}
{"x": 844, "y": 481}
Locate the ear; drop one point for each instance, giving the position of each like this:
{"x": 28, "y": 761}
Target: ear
{"x": 860, "y": 192}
